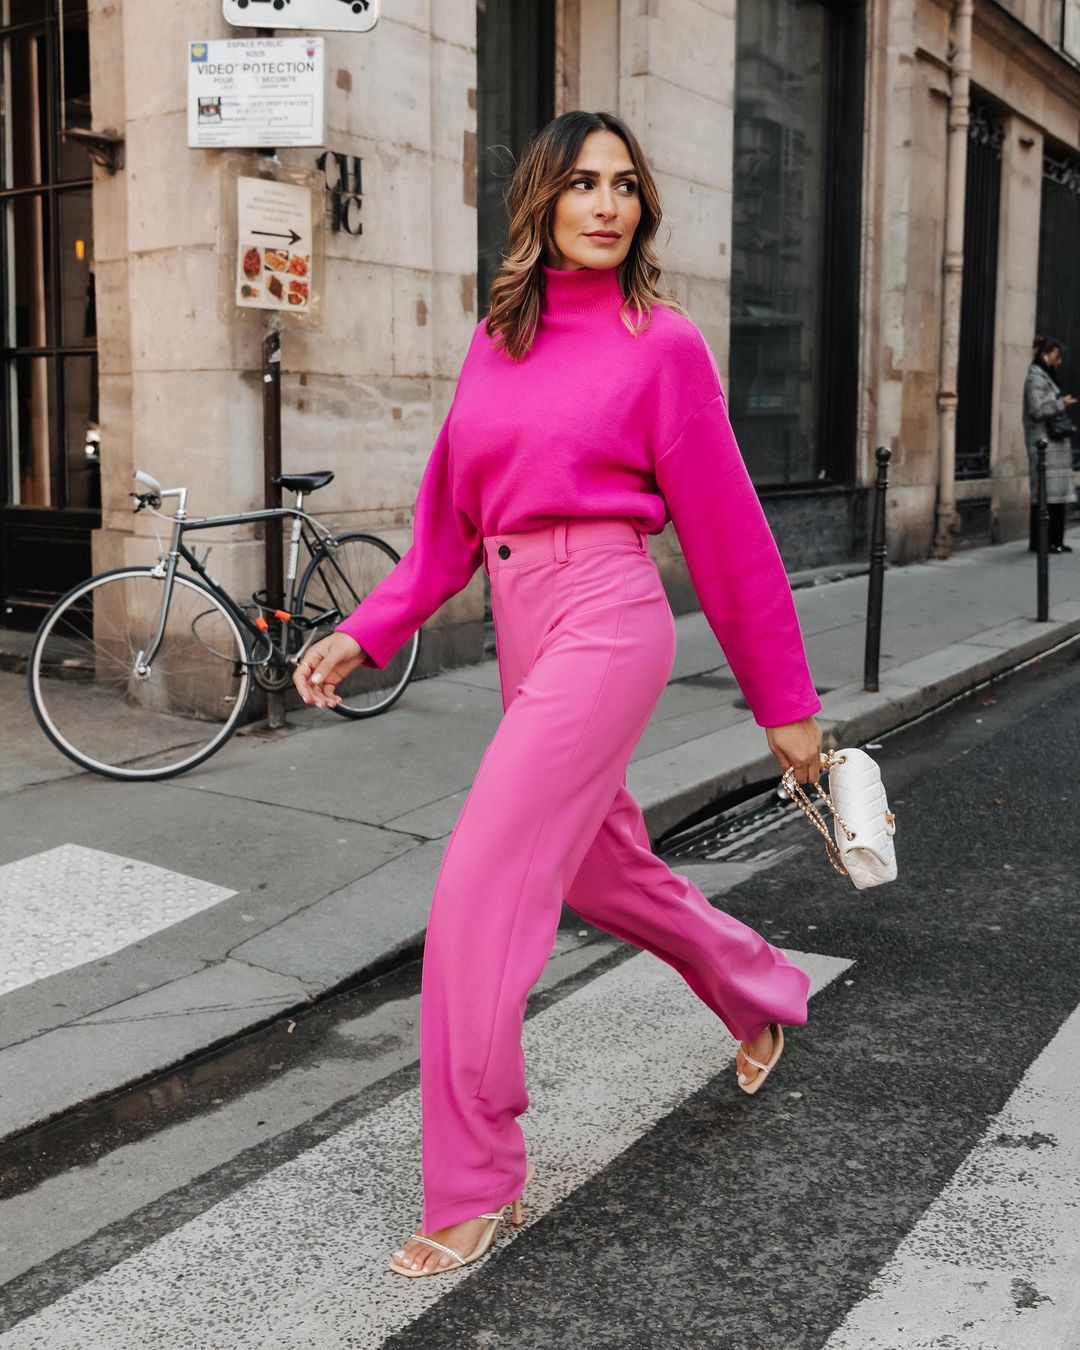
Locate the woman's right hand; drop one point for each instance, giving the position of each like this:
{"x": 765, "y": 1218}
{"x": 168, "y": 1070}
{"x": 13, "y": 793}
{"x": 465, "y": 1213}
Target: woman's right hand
{"x": 324, "y": 665}
{"x": 1070, "y": 399}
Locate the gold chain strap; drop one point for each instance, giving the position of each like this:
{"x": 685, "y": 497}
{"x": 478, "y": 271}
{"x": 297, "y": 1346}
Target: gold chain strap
{"x": 799, "y": 796}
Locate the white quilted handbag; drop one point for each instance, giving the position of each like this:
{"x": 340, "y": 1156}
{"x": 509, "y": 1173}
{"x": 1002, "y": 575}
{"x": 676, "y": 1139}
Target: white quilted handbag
{"x": 863, "y": 824}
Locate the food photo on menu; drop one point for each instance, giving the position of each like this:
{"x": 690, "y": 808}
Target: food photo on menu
{"x": 284, "y": 274}
{"x": 251, "y": 267}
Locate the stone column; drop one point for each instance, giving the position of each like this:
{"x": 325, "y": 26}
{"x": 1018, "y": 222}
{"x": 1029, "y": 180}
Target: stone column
{"x": 598, "y": 58}
{"x": 904, "y": 211}
{"x": 1018, "y": 276}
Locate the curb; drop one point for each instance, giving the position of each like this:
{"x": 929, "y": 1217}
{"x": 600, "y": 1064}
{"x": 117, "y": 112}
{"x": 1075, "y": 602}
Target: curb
{"x": 849, "y": 715}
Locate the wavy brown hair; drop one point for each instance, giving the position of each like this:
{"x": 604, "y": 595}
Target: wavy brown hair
{"x": 545, "y": 170}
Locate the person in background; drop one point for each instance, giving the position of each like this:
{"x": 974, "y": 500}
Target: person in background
{"x": 1043, "y": 401}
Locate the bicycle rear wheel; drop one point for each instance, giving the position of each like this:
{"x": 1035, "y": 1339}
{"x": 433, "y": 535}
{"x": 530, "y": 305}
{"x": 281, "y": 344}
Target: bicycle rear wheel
{"x": 102, "y": 711}
{"x": 342, "y": 571}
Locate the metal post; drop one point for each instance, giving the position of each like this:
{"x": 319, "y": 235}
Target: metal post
{"x": 1042, "y": 517}
{"x": 275, "y": 571}
{"x": 877, "y": 572}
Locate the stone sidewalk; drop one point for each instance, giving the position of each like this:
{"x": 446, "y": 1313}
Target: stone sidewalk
{"x": 143, "y": 924}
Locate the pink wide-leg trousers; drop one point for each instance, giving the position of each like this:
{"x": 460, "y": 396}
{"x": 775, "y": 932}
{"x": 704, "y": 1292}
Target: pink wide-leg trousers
{"x": 586, "y": 642}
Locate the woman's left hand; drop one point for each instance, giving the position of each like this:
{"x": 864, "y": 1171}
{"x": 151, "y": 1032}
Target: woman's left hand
{"x": 797, "y": 745}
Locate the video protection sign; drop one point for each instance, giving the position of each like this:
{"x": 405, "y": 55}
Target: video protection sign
{"x": 256, "y": 92}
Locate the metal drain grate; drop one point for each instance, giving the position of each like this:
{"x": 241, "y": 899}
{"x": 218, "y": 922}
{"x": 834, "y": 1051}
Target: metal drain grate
{"x": 976, "y": 520}
{"x": 733, "y": 835}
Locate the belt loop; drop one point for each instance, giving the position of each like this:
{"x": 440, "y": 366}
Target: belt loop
{"x": 561, "y": 554}
{"x": 642, "y": 540}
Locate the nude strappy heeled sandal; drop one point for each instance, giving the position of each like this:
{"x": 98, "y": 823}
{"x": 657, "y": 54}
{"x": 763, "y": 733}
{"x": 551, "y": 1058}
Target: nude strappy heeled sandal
{"x": 517, "y": 1218}
{"x": 763, "y": 1069}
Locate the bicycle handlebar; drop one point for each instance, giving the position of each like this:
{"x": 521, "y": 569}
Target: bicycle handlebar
{"x": 147, "y": 481}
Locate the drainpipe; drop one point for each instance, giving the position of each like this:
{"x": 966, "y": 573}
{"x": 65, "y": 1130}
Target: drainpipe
{"x": 953, "y": 282}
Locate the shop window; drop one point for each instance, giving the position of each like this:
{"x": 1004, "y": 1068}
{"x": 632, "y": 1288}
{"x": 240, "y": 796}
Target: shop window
{"x": 794, "y": 267}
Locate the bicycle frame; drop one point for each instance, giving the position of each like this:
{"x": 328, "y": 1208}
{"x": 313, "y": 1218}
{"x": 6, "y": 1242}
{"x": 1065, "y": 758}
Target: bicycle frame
{"x": 168, "y": 563}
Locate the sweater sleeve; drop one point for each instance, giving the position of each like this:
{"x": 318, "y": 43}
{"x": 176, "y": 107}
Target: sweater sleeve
{"x": 445, "y": 553}
{"x": 735, "y": 566}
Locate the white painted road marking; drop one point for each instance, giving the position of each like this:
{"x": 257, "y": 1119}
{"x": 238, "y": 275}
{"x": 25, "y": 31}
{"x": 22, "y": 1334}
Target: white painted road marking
{"x": 73, "y": 904}
{"x": 297, "y": 1260}
{"x": 994, "y": 1263}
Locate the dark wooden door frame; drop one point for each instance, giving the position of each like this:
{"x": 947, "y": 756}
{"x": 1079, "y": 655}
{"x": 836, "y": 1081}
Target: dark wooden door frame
{"x": 43, "y": 550}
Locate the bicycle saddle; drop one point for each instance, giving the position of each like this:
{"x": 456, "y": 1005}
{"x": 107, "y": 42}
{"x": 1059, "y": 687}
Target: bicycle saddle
{"x": 303, "y": 482}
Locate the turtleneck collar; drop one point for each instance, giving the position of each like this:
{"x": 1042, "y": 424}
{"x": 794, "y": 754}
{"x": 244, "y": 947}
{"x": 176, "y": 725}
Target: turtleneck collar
{"x": 572, "y": 296}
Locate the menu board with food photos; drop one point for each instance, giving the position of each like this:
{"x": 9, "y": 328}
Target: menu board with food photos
{"x": 274, "y": 245}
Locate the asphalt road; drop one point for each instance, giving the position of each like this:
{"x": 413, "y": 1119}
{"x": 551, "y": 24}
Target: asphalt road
{"x": 878, "y": 1192}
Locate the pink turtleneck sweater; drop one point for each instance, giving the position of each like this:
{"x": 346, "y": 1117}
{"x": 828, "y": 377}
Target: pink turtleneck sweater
{"x": 597, "y": 422}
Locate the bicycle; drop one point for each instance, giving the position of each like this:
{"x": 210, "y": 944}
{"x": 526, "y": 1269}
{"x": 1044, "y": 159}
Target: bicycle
{"x": 142, "y": 673}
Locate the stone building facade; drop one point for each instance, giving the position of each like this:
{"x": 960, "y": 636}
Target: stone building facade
{"x": 801, "y": 151}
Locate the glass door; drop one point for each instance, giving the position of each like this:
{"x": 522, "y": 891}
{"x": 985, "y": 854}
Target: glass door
{"x": 975, "y": 368}
{"x": 50, "y": 494}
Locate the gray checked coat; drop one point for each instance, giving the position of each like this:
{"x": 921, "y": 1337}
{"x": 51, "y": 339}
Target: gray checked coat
{"x": 1042, "y": 399}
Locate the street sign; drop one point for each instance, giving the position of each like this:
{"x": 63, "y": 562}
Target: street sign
{"x": 274, "y": 245}
{"x": 256, "y": 92}
{"x": 341, "y": 16}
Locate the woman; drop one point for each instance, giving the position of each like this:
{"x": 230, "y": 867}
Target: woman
{"x": 1043, "y": 400}
{"x": 587, "y": 413}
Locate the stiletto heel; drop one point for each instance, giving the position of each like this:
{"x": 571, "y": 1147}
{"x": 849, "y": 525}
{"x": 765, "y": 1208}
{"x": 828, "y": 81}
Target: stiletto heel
{"x": 517, "y": 1218}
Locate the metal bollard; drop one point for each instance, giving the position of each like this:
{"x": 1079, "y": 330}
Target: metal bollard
{"x": 275, "y": 585}
{"x": 1042, "y": 537}
{"x": 877, "y": 572}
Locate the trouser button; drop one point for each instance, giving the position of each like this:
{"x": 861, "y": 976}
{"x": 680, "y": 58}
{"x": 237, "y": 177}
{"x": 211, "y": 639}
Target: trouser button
{"x": 504, "y": 551}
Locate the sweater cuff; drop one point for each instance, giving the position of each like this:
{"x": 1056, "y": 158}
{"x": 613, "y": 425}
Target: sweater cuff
{"x": 374, "y": 656}
{"x": 777, "y": 715}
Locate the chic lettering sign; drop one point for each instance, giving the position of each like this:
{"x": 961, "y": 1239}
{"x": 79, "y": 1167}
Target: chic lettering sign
{"x": 344, "y": 183}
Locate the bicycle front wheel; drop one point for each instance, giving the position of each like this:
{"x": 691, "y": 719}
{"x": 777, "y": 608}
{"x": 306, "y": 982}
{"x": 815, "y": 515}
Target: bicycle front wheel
{"x": 341, "y": 572}
{"x": 109, "y": 711}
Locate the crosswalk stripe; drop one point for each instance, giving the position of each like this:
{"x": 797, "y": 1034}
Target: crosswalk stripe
{"x": 297, "y": 1259}
{"x": 995, "y": 1260}
{"x": 109, "y": 902}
